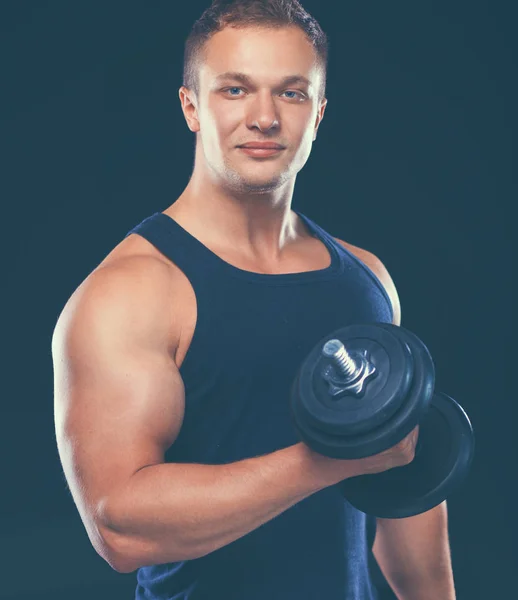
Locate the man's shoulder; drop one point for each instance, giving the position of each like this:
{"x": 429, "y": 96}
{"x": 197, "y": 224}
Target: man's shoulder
{"x": 134, "y": 251}
{"x": 131, "y": 269}
{"x": 378, "y": 268}
{"x": 128, "y": 284}
{"x": 364, "y": 255}
{"x": 138, "y": 262}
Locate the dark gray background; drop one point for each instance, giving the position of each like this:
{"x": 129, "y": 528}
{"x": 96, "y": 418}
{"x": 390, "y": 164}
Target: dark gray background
{"x": 414, "y": 162}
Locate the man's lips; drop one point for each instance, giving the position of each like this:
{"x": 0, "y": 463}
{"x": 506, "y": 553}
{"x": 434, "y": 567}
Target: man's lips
{"x": 261, "y": 149}
{"x": 262, "y": 146}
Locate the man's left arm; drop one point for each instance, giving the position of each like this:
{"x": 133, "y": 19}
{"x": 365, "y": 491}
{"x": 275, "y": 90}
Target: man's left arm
{"x": 413, "y": 553}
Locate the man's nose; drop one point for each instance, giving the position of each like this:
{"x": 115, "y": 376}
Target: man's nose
{"x": 263, "y": 113}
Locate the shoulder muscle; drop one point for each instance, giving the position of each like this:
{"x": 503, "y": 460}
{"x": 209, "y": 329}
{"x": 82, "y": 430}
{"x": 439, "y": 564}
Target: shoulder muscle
{"x": 381, "y": 272}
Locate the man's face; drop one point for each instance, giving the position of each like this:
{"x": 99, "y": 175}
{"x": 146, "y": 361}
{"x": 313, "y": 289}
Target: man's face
{"x": 264, "y": 107}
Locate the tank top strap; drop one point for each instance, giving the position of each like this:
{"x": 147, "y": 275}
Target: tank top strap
{"x": 176, "y": 244}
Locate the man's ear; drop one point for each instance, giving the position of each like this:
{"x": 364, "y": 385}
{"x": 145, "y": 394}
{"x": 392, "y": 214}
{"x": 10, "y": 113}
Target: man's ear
{"x": 320, "y": 116}
{"x": 189, "y": 107}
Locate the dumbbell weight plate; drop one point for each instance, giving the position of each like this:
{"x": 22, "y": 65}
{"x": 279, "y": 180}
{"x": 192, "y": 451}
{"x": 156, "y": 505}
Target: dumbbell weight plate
{"x": 310, "y": 399}
{"x": 345, "y": 414}
{"x": 446, "y": 447}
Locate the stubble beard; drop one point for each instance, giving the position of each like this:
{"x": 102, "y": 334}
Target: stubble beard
{"x": 240, "y": 183}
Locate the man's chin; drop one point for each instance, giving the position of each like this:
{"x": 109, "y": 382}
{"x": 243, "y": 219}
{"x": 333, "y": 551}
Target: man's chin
{"x": 259, "y": 187}
{"x": 260, "y": 184}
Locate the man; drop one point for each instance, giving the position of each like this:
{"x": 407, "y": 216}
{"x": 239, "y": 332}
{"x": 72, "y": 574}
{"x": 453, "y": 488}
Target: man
{"x": 174, "y": 358}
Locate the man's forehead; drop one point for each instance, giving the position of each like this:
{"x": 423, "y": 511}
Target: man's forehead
{"x": 249, "y": 51}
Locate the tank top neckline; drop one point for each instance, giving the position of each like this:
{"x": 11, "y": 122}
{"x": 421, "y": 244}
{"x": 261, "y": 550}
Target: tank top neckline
{"x": 234, "y": 271}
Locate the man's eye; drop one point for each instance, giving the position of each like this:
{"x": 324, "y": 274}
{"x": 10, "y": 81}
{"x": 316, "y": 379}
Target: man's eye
{"x": 294, "y": 92}
{"x": 231, "y": 89}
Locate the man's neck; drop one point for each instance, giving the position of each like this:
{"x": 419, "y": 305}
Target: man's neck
{"x": 255, "y": 227}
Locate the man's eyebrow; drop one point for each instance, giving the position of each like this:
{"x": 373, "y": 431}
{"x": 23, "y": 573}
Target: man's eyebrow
{"x": 248, "y": 81}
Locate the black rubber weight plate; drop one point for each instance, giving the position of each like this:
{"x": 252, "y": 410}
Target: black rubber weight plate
{"x": 446, "y": 452}
{"x": 306, "y": 403}
{"x": 347, "y": 415}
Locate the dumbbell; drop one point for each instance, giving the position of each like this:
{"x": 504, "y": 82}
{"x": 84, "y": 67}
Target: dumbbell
{"x": 360, "y": 391}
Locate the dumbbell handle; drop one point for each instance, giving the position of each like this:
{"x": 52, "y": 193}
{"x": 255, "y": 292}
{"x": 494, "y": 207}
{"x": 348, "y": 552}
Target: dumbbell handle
{"x": 337, "y": 352}
{"x": 352, "y": 374}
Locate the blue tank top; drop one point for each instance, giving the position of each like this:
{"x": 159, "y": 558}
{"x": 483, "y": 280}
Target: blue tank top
{"x": 252, "y": 333}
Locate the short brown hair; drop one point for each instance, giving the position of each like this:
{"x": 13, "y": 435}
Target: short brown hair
{"x": 249, "y": 13}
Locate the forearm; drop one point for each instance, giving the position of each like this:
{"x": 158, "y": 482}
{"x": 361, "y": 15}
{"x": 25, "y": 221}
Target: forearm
{"x": 432, "y": 587}
{"x": 170, "y": 512}
{"x": 414, "y": 555}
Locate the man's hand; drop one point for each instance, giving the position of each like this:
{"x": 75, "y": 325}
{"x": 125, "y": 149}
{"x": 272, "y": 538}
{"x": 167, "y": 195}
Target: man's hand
{"x": 334, "y": 470}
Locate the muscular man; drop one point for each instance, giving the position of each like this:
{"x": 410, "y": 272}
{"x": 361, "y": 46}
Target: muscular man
{"x": 173, "y": 360}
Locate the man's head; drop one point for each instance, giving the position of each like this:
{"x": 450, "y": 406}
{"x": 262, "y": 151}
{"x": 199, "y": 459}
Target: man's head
{"x": 255, "y": 70}
{"x": 269, "y": 14}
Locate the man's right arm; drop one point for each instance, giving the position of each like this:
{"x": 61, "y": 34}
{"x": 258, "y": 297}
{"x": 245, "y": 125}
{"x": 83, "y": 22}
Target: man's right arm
{"x": 119, "y": 405}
